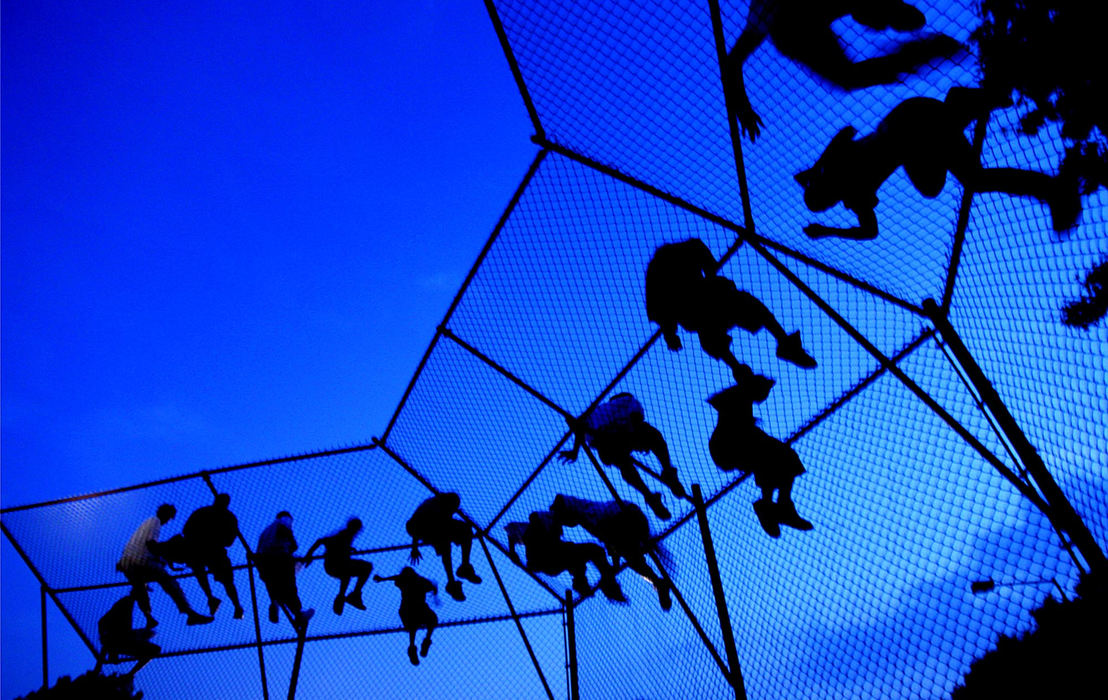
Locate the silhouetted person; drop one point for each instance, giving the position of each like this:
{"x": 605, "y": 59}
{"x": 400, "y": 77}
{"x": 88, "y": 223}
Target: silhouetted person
{"x": 338, "y": 563}
{"x": 141, "y": 566}
{"x": 738, "y": 443}
{"x": 683, "y": 289}
{"x": 202, "y": 545}
{"x": 547, "y": 553}
{"x": 434, "y": 523}
{"x": 415, "y": 613}
{"x": 927, "y": 137}
{"x": 277, "y": 569}
{"x": 118, "y": 637}
{"x": 802, "y": 31}
{"x": 1093, "y": 305}
{"x": 623, "y": 530}
{"x": 615, "y": 429}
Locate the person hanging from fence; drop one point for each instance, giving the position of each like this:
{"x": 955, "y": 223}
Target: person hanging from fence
{"x": 616, "y": 429}
{"x": 547, "y": 553}
{"x": 802, "y": 30}
{"x": 277, "y": 567}
{"x": 202, "y": 545}
{"x": 623, "y": 530}
{"x": 338, "y": 562}
{"x": 738, "y": 443}
{"x": 119, "y": 638}
{"x": 683, "y": 289}
{"x": 927, "y": 137}
{"x": 140, "y": 565}
{"x": 415, "y": 613}
{"x": 433, "y": 522}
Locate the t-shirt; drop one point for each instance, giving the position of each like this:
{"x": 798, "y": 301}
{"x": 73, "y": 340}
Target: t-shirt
{"x": 211, "y": 526}
{"x": 135, "y": 553}
{"x": 619, "y": 414}
{"x": 277, "y": 539}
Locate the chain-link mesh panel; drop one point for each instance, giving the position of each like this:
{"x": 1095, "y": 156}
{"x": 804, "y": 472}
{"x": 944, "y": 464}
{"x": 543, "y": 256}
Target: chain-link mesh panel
{"x": 202, "y": 676}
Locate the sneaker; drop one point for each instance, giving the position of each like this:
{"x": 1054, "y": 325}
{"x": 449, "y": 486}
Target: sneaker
{"x": 340, "y": 600}
{"x": 213, "y": 604}
{"x": 412, "y": 655}
{"x": 654, "y": 500}
{"x": 302, "y": 618}
{"x": 239, "y": 612}
{"x": 425, "y": 646}
{"x": 663, "y": 596}
{"x": 767, "y": 517}
{"x": 609, "y": 586}
{"x": 787, "y": 515}
{"x": 790, "y": 350}
{"x": 466, "y": 571}
{"x": 195, "y": 618}
{"x": 669, "y": 478}
{"x": 273, "y": 612}
{"x": 581, "y": 585}
{"x": 355, "y": 600}
{"x": 454, "y": 589}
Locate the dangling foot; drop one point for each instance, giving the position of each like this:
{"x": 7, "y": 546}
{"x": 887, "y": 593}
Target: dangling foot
{"x": 670, "y": 479}
{"x": 466, "y": 571}
{"x": 273, "y": 613}
{"x": 413, "y": 656}
{"x": 301, "y": 621}
{"x": 213, "y": 604}
{"x": 787, "y": 515}
{"x": 151, "y": 623}
{"x": 195, "y": 618}
{"x": 340, "y": 601}
{"x": 355, "y": 600}
{"x": 581, "y": 585}
{"x": 609, "y": 586}
{"x": 789, "y": 349}
{"x": 654, "y": 500}
{"x": 767, "y": 517}
{"x": 425, "y": 646}
{"x": 454, "y": 589}
{"x": 239, "y": 612}
{"x": 663, "y": 595}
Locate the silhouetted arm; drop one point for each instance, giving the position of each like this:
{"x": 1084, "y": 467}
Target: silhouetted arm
{"x": 415, "y": 556}
{"x": 864, "y": 231}
{"x": 322, "y": 541}
{"x": 578, "y": 428}
{"x": 734, "y": 89}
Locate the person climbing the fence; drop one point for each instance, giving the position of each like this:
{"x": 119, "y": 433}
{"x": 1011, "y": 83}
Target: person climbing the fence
{"x": 415, "y": 613}
{"x": 683, "y": 289}
{"x": 433, "y": 522}
{"x": 202, "y": 545}
{"x": 119, "y": 638}
{"x": 623, "y": 530}
{"x": 277, "y": 567}
{"x": 615, "y": 429}
{"x": 338, "y": 562}
{"x": 927, "y": 137}
{"x": 140, "y": 565}
{"x": 547, "y": 553}
{"x": 738, "y": 443}
{"x": 802, "y": 30}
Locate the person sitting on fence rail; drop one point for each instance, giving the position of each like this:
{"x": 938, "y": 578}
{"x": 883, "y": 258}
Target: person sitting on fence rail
{"x": 738, "y": 443}
{"x": 277, "y": 567}
{"x": 615, "y": 429}
{"x": 433, "y": 522}
{"x": 202, "y": 545}
{"x": 927, "y": 137}
{"x": 547, "y": 553}
{"x": 683, "y": 289}
{"x": 802, "y": 31}
{"x": 140, "y": 565}
{"x": 338, "y": 563}
{"x": 623, "y": 530}
{"x": 415, "y": 613}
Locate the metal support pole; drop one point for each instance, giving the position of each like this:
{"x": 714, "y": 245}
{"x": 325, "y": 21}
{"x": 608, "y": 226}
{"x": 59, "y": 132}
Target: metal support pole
{"x": 1060, "y": 510}
{"x": 571, "y": 636}
{"x": 296, "y": 663}
{"x": 736, "y": 676}
{"x": 45, "y": 659}
{"x": 515, "y": 618}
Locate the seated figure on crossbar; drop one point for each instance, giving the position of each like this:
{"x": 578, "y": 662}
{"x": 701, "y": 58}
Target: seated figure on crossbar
{"x": 547, "y": 553}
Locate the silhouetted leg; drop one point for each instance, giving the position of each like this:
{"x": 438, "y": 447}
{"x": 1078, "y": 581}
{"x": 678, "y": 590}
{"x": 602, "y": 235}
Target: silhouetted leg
{"x": 786, "y": 509}
{"x": 631, "y": 475}
{"x": 1061, "y": 194}
{"x": 227, "y": 579}
{"x": 639, "y": 566}
{"x": 432, "y": 623}
{"x": 749, "y": 313}
{"x": 412, "y": 654}
{"x": 648, "y": 438}
{"x": 361, "y": 570}
{"x": 200, "y": 571}
{"x": 142, "y": 596}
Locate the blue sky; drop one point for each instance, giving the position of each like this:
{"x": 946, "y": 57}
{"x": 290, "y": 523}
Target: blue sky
{"x": 228, "y": 234}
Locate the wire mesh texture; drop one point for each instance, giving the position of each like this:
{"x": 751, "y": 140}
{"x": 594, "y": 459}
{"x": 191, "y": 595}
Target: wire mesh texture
{"x": 913, "y": 485}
